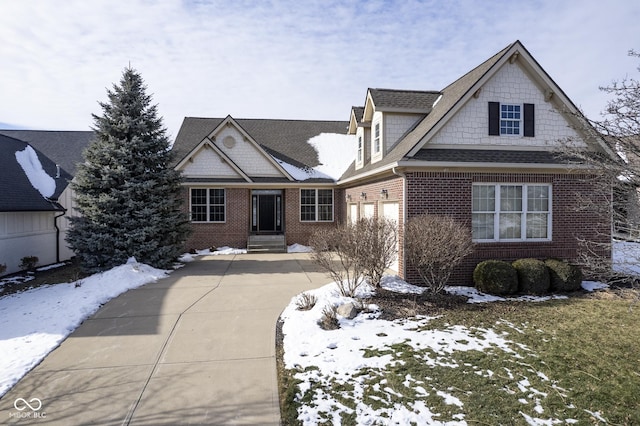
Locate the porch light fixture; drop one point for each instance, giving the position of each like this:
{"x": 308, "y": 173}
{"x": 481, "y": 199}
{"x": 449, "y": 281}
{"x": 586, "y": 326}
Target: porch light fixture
{"x": 384, "y": 194}
{"x": 363, "y": 195}
{"x": 348, "y": 197}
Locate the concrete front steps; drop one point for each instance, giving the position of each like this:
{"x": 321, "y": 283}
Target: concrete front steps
{"x": 266, "y": 244}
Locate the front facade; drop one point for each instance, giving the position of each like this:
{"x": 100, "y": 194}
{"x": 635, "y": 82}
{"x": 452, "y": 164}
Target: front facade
{"x": 252, "y": 181}
{"x": 482, "y": 150}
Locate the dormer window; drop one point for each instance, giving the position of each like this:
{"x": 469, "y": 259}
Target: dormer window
{"x": 377, "y": 143}
{"x": 360, "y": 149}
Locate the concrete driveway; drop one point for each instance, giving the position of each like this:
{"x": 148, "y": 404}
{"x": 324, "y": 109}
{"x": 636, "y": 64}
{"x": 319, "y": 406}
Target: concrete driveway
{"x": 195, "y": 348}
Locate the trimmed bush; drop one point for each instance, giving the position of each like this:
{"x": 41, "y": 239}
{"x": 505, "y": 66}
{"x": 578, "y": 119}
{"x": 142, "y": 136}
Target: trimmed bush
{"x": 564, "y": 276}
{"x": 28, "y": 263}
{"x": 533, "y": 276}
{"x": 495, "y": 277}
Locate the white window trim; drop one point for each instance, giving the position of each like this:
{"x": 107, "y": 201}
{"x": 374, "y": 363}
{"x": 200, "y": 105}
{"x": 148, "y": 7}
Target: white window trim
{"x": 520, "y": 120}
{"x": 224, "y": 191}
{"x": 377, "y": 155}
{"x": 316, "y": 205}
{"x": 523, "y": 218}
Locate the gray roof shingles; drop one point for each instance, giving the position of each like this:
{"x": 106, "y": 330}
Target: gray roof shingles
{"x": 489, "y": 156}
{"x": 283, "y": 139}
{"x": 416, "y": 100}
{"x": 17, "y": 193}
{"x": 65, "y": 148}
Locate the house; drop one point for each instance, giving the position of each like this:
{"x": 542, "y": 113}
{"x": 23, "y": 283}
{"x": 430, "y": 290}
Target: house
{"x": 33, "y": 223}
{"x": 482, "y": 150}
{"x": 258, "y": 183}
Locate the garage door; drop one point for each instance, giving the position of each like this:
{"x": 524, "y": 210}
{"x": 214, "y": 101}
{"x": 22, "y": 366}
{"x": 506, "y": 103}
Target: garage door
{"x": 392, "y": 211}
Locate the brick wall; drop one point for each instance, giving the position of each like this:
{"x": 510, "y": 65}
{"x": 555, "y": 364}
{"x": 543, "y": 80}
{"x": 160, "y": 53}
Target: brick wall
{"x": 235, "y": 231}
{"x": 373, "y": 190}
{"x": 448, "y": 193}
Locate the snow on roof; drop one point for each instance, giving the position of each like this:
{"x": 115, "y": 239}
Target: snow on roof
{"x": 335, "y": 153}
{"x": 39, "y": 179}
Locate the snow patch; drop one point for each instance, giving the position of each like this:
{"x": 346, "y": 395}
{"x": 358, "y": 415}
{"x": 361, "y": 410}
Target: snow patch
{"x": 298, "y": 248}
{"x": 39, "y": 179}
{"x": 36, "y": 321}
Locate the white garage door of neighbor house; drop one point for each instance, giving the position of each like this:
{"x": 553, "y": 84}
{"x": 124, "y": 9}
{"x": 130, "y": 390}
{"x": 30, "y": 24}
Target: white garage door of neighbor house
{"x": 392, "y": 211}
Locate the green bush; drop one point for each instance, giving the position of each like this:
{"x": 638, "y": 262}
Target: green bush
{"x": 564, "y": 276}
{"x": 495, "y": 277}
{"x": 533, "y": 276}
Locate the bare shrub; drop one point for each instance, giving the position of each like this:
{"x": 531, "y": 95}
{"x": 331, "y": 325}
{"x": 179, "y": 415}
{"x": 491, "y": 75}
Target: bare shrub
{"x": 306, "y": 301}
{"x": 377, "y": 240}
{"x": 337, "y": 251}
{"x": 435, "y": 246}
{"x": 329, "y": 319}
{"x": 3, "y": 268}
{"x": 28, "y": 263}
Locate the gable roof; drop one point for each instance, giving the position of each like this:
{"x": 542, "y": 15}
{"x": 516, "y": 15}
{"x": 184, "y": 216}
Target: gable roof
{"x": 455, "y": 95}
{"x": 17, "y": 192}
{"x": 286, "y": 140}
{"x": 65, "y": 148}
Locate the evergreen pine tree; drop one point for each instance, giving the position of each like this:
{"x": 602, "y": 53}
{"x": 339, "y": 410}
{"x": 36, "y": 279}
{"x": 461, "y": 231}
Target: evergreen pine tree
{"x": 127, "y": 194}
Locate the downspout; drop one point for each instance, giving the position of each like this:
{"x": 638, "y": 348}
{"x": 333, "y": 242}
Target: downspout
{"x": 55, "y": 224}
{"x": 403, "y": 176}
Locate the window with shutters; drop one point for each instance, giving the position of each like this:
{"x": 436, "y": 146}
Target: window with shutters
{"x": 511, "y": 119}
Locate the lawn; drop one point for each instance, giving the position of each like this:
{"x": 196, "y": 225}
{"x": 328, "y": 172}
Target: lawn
{"x": 562, "y": 361}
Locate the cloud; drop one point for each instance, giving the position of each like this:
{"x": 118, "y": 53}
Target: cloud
{"x": 288, "y": 59}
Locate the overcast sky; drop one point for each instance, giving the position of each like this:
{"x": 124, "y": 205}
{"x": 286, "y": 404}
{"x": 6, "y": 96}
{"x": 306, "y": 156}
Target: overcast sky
{"x": 290, "y": 59}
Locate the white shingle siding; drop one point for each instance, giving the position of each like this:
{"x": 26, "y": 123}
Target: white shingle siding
{"x": 509, "y": 85}
{"x": 396, "y": 125}
{"x": 207, "y": 163}
{"x": 245, "y": 155}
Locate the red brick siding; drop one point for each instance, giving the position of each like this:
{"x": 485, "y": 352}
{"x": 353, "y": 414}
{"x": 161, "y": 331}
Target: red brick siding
{"x": 449, "y": 193}
{"x": 235, "y": 231}
{"x": 394, "y": 187}
{"x": 299, "y": 232}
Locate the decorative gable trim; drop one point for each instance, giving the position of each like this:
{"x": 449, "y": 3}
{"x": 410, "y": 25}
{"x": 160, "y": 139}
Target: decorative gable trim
{"x": 518, "y": 55}
{"x": 207, "y": 143}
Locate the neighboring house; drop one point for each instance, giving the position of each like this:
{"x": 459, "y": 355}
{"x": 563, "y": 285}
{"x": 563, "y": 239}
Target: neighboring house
{"x": 32, "y": 224}
{"x": 482, "y": 150}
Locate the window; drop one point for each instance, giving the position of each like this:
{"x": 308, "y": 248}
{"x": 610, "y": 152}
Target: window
{"x": 359, "y": 149}
{"x": 376, "y": 139}
{"x": 511, "y": 212}
{"x": 316, "y": 205}
{"x": 207, "y": 205}
{"x": 509, "y": 119}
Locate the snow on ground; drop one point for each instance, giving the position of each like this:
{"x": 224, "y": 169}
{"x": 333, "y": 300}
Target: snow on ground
{"x": 626, "y": 257}
{"x": 337, "y": 357}
{"x": 34, "y": 322}
{"x": 298, "y": 248}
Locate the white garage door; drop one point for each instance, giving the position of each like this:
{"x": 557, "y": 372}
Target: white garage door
{"x": 392, "y": 211}
{"x": 353, "y": 213}
{"x": 368, "y": 210}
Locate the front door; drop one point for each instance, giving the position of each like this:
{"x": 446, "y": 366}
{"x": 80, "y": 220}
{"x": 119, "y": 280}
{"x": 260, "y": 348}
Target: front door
{"x": 266, "y": 210}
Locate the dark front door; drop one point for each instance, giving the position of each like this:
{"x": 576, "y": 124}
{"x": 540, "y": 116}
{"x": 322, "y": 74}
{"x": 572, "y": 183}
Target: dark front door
{"x": 266, "y": 208}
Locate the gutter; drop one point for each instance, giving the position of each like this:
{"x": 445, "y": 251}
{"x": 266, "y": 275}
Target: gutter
{"x": 55, "y": 224}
